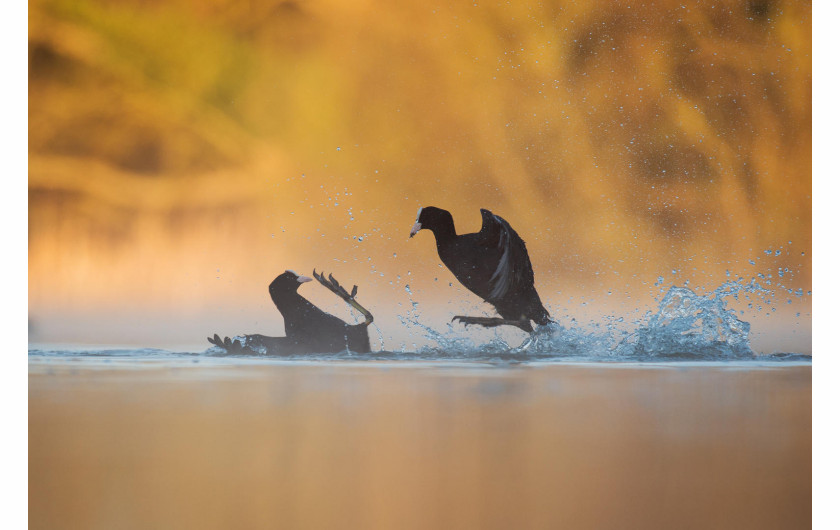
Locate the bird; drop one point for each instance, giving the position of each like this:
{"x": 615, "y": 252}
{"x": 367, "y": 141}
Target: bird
{"x": 492, "y": 263}
{"x": 308, "y": 328}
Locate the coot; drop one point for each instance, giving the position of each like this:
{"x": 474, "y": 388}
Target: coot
{"x": 492, "y": 263}
{"x": 308, "y": 328}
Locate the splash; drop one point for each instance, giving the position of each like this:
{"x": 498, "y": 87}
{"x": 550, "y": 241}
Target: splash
{"x": 691, "y": 326}
{"x": 686, "y": 326}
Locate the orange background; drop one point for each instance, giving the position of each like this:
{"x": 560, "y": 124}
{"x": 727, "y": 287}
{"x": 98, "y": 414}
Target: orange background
{"x": 182, "y": 153}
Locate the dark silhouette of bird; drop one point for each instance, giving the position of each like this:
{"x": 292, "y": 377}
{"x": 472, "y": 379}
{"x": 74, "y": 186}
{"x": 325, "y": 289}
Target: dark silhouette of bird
{"x": 492, "y": 263}
{"x": 308, "y": 328}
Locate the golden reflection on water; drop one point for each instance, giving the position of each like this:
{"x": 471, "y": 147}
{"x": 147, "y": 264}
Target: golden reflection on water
{"x": 182, "y": 153}
{"x": 396, "y": 445}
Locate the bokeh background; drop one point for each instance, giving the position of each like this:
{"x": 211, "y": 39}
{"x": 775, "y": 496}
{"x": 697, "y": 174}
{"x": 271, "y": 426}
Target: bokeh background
{"x": 182, "y": 153}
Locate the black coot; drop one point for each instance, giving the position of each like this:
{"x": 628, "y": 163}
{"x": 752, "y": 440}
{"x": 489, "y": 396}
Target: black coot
{"x": 492, "y": 263}
{"x": 308, "y": 328}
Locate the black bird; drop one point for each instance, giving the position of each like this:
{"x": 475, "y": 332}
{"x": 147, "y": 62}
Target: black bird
{"x": 492, "y": 263}
{"x": 308, "y": 328}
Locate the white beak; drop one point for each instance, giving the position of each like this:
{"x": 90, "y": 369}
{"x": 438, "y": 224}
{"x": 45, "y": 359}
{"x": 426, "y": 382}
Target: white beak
{"x": 414, "y": 229}
{"x": 304, "y": 279}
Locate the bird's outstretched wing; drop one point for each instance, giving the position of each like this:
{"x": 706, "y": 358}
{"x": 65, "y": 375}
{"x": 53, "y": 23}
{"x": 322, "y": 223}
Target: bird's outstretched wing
{"x": 514, "y": 272}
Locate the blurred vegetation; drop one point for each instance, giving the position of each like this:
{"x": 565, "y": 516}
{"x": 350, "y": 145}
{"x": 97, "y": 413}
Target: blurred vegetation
{"x": 174, "y": 144}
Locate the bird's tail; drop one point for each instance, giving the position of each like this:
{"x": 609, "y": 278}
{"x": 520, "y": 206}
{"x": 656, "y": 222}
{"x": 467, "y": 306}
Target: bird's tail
{"x": 333, "y": 285}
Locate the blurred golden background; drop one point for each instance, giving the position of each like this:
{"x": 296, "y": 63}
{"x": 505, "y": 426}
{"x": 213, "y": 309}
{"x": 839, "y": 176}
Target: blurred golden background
{"x": 184, "y": 152}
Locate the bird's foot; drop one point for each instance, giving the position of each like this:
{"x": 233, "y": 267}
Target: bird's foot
{"x": 232, "y": 347}
{"x": 333, "y": 285}
{"x": 549, "y": 328}
{"x": 525, "y": 346}
{"x": 491, "y": 322}
{"x": 541, "y": 338}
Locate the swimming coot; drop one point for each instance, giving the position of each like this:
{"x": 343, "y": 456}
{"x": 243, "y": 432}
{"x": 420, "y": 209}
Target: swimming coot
{"x": 492, "y": 263}
{"x": 308, "y": 328}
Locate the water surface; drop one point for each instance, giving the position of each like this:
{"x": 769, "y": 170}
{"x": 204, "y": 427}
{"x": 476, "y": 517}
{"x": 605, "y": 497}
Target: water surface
{"x": 122, "y": 438}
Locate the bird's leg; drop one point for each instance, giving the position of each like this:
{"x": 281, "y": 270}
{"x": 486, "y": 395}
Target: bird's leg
{"x": 333, "y": 285}
{"x": 522, "y": 348}
{"x": 541, "y": 334}
{"x": 492, "y": 322}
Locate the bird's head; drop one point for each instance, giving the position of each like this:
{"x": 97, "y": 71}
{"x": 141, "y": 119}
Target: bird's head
{"x": 289, "y": 281}
{"x": 430, "y": 218}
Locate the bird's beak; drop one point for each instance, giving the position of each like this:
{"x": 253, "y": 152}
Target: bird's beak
{"x": 414, "y": 229}
{"x": 304, "y": 279}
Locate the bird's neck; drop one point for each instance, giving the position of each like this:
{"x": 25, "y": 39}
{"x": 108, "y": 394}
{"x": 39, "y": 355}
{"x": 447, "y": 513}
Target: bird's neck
{"x": 444, "y": 234}
{"x": 290, "y": 303}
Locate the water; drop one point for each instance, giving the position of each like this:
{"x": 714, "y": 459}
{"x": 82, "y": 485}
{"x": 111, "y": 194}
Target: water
{"x": 486, "y": 353}
{"x": 124, "y": 438}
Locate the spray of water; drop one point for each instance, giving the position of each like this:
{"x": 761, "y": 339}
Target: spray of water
{"x": 685, "y": 326}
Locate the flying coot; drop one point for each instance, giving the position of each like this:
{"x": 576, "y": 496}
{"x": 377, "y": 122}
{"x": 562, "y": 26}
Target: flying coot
{"x": 492, "y": 263}
{"x": 308, "y": 328}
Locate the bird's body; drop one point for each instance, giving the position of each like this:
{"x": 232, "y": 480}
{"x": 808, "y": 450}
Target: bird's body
{"x": 308, "y": 328}
{"x": 492, "y": 263}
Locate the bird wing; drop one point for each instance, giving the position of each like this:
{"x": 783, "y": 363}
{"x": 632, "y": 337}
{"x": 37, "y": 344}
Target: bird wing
{"x": 513, "y": 271}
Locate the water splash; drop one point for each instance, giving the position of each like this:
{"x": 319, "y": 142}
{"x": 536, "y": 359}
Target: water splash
{"x": 569, "y": 343}
{"x": 691, "y": 326}
{"x": 686, "y": 326}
